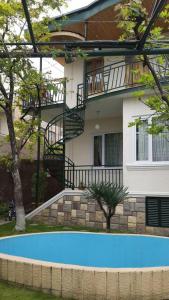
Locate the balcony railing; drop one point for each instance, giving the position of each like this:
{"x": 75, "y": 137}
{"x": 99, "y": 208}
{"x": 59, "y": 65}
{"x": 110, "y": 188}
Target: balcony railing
{"x": 116, "y": 77}
{"x": 84, "y": 176}
{"x": 50, "y": 94}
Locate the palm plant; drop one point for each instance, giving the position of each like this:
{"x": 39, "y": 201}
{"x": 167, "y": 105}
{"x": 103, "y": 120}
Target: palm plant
{"x": 108, "y": 196}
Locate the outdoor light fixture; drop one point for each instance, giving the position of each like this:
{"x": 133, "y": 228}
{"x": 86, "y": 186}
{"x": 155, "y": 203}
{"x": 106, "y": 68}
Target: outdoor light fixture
{"x": 97, "y": 125}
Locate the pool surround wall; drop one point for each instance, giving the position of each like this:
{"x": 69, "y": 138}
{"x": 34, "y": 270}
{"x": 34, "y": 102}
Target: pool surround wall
{"x": 88, "y": 283}
{"x": 73, "y": 209}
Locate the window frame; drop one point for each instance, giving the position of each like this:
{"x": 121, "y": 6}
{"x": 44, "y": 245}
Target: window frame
{"x": 103, "y": 150}
{"x": 150, "y": 149}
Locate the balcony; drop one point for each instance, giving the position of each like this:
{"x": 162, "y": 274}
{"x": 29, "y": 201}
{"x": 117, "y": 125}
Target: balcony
{"x": 84, "y": 176}
{"x": 51, "y": 94}
{"x": 117, "y": 77}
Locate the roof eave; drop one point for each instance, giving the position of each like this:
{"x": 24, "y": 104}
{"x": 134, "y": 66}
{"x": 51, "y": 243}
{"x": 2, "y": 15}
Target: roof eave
{"x": 83, "y": 14}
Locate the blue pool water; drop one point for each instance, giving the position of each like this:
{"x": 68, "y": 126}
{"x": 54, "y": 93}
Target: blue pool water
{"x": 96, "y": 250}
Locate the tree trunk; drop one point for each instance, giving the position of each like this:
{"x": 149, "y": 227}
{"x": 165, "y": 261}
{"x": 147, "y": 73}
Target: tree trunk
{"x": 108, "y": 220}
{"x": 18, "y": 196}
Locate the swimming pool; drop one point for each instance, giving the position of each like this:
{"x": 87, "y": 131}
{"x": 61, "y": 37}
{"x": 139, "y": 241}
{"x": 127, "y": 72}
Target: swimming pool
{"x": 88, "y": 265}
{"x": 90, "y": 250}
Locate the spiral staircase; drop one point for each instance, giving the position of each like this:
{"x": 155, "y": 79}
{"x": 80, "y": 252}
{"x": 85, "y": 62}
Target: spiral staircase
{"x": 61, "y": 129}
{"x": 70, "y": 123}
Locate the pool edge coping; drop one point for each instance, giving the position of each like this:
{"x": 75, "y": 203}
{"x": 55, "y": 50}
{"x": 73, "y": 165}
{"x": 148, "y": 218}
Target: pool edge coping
{"x": 21, "y": 259}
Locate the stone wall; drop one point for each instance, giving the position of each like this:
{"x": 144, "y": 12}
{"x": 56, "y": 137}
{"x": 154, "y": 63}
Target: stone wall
{"x": 87, "y": 283}
{"x": 76, "y": 210}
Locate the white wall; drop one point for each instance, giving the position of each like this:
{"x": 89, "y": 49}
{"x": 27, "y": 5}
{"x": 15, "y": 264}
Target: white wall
{"x": 147, "y": 178}
{"x": 3, "y": 124}
{"x": 74, "y": 74}
{"x": 80, "y": 149}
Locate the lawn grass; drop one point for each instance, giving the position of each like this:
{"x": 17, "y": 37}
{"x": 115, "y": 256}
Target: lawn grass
{"x": 11, "y": 292}
{"x": 9, "y": 229}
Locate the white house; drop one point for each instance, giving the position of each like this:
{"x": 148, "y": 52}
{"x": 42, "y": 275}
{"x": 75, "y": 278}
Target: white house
{"x": 88, "y": 138}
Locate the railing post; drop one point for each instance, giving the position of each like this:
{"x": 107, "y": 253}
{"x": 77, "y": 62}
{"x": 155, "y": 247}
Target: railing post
{"x": 73, "y": 186}
{"x": 64, "y": 161}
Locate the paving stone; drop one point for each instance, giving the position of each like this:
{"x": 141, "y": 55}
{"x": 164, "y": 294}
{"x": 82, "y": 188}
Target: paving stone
{"x": 60, "y": 220}
{"x": 132, "y": 219}
{"x": 45, "y": 212}
{"x": 112, "y": 285}
{"x": 115, "y": 220}
{"x": 99, "y": 216}
{"x": 83, "y": 200}
{"x": 56, "y": 281}
{"x": 140, "y": 200}
{"x": 73, "y": 213}
{"x": 83, "y": 206}
{"x": 67, "y": 207}
{"x": 52, "y": 221}
{"x": 28, "y": 280}
{"x": 68, "y": 202}
{"x": 61, "y": 213}
{"x": 87, "y": 216}
{"x": 81, "y": 222}
{"x": 67, "y": 216}
{"x": 92, "y": 217}
{"x": 46, "y": 277}
{"x": 54, "y": 206}
{"x": 19, "y": 272}
{"x": 11, "y": 271}
{"x": 90, "y": 224}
{"x": 131, "y": 200}
{"x": 76, "y": 205}
{"x": 91, "y": 208}
{"x": 100, "y": 284}
{"x": 114, "y": 226}
{"x": 140, "y": 207}
{"x": 60, "y": 207}
{"x": 37, "y": 276}
{"x": 123, "y": 219}
{"x": 140, "y": 228}
{"x": 67, "y": 283}
{"x": 123, "y": 227}
{"x": 132, "y": 225}
{"x": 124, "y": 285}
{"x": 76, "y": 198}
{"x": 80, "y": 214}
{"x": 89, "y": 285}
{"x": 141, "y": 218}
{"x": 53, "y": 213}
{"x": 119, "y": 209}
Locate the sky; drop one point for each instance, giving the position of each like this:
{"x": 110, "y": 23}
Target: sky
{"x": 49, "y": 65}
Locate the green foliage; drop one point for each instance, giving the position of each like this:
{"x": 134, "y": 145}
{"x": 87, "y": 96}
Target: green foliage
{"x": 3, "y": 209}
{"x": 108, "y": 196}
{"x": 133, "y": 18}
{"x": 6, "y": 162}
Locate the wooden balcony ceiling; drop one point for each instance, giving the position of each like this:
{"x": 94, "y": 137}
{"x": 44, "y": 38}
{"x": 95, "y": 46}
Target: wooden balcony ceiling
{"x": 101, "y": 19}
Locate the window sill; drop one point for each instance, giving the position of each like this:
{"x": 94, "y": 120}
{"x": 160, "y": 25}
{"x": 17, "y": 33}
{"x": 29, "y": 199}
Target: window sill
{"x": 147, "y": 166}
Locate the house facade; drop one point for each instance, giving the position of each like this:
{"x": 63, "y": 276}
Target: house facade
{"x": 88, "y": 138}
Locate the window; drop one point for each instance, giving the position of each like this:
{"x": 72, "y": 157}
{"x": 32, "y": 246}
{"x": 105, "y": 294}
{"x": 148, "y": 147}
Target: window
{"x": 98, "y": 150}
{"x": 151, "y": 147}
{"x": 142, "y": 141}
{"x": 108, "y": 149}
{"x": 157, "y": 212}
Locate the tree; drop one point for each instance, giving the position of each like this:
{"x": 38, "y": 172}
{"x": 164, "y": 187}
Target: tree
{"x": 133, "y": 19}
{"x": 108, "y": 196}
{"x": 19, "y": 80}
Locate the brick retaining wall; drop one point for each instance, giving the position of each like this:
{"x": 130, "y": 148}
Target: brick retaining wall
{"x": 76, "y": 210}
